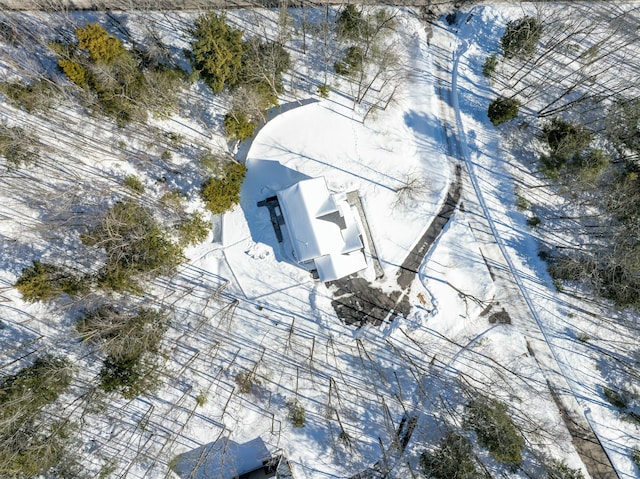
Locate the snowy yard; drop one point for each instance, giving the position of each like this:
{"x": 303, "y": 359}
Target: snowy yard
{"x": 252, "y": 335}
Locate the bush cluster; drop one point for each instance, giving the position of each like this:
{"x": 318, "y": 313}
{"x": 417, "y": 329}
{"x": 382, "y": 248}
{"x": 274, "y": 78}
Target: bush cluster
{"x": 453, "y": 459}
{"x": 238, "y": 125}
{"x": 43, "y": 281}
{"x": 503, "y": 109}
{"x": 489, "y": 66}
{"x": 125, "y": 84}
{"x": 222, "y": 192}
{"x": 351, "y": 24}
{"x": 351, "y": 63}
{"x": 559, "y": 470}
{"x": 496, "y": 431}
{"x": 131, "y": 341}
{"x": 29, "y": 444}
{"x": 217, "y": 51}
{"x": 18, "y": 147}
{"x": 296, "y": 413}
{"x": 521, "y": 37}
{"x": 568, "y": 145}
{"x": 251, "y": 68}
{"x": 193, "y": 229}
{"x": 134, "y": 184}
{"x": 134, "y": 243}
{"x": 34, "y": 97}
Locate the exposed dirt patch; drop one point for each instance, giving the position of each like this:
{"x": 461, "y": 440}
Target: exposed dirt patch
{"x": 357, "y": 302}
{"x": 500, "y": 317}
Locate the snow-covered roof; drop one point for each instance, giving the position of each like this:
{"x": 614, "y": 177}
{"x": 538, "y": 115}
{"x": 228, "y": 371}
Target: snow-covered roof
{"x": 322, "y": 228}
{"x": 223, "y": 458}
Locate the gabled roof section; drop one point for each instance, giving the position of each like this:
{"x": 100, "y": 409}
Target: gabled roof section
{"x": 302, "y": 204}
{"x": 322, "y": 228}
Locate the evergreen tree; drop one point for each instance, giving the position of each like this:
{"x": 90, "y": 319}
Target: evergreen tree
{"x": 217, "y": 51}
{"x": 503, "y": 109}
{"x": 521, "y": 37}
{"x": 221, "y": 193}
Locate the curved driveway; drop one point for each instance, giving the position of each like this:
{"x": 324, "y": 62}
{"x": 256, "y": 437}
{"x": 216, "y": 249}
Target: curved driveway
{"x": 574, "y": 411}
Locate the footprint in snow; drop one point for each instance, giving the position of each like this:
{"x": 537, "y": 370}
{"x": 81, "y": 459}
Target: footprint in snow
{"x": 257, "y": 251}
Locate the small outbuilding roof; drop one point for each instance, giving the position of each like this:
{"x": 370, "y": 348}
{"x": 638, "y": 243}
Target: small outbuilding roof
{"x": 322, "y": 228}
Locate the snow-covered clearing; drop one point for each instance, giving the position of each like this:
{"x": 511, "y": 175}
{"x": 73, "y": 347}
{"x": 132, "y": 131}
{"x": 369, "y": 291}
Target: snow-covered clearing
{"x": 240, "y": 309}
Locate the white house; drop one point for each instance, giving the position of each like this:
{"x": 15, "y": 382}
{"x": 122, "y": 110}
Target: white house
{"x": 324, "y": 231}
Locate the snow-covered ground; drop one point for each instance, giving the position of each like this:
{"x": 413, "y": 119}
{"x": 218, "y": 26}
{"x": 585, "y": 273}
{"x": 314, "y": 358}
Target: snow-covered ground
{"x": 239, "y": 307}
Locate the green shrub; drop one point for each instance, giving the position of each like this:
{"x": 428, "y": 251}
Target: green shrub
{"x": 131, "y": 341}
{"x": 559, "y": 470}
{"x": 489, "y": 66}
{"x": 503, "y": 109}
{"x": 296, "y": 413}
{"x": 40, "y": 451}
{"x": 129, "y": 377}
{"x": 589, "y": 165}
{"x": 222, "y": 193}
{"x": 119, "y": 277}
{"x": 635, "y": 455}
{"x": 124, "y": 84}
{"x": 193, "y": 230}
{"x": 134, "y": 243}
{"x": 33, "y": 97}
{"x": 351, "y": 63}
{"x": 123, "y": 334}
{"x": 35, "y": 386}
{"x": 118, "y": 83}
{"x": 32, "y": 444}
{"x": 238, "y": 126}
{"x": 75, "y": 72}
{"x": 201, "y": 398}
{"x": 615, "y": 398}
{"x": 324, "y": 90}
{"x": 217, "y": 51}
{"x": 134, "y": 184}
{"x": 495, "y": 429}
{"x": 42, "y": 281}
{"x": 521, "y": 37}
{"x": 534, "y": 221}
{"x": 209, "y": 161}
{"x": 18, "y": 147}
{"x": 102, "y": 46}
{"x": 566, "y": 140}
{"x": 571, "y": 154}
{"x": 551, "y": 166}
{"x": 350, "y": 23}
{"x": 453, "y": 459}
